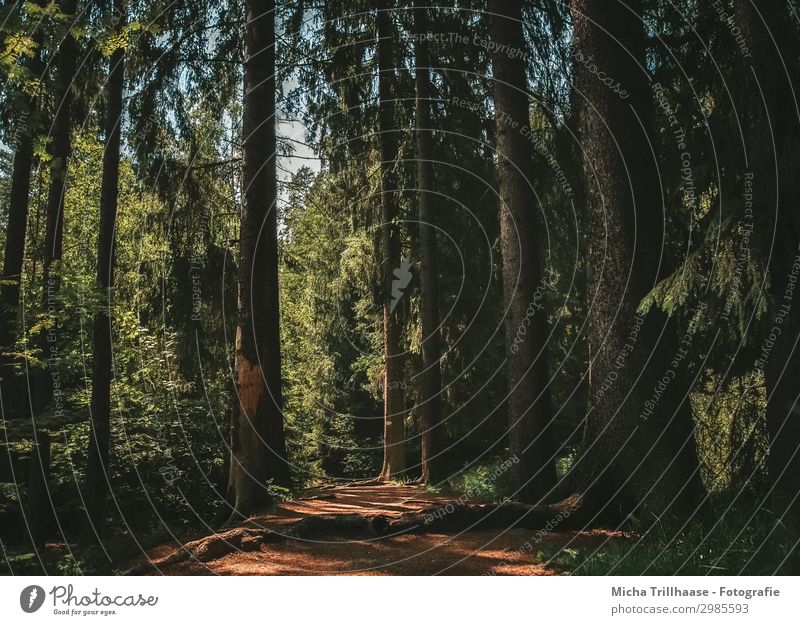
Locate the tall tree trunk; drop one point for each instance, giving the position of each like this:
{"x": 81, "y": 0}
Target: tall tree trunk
{"x": 431, "y": 375}
{"x": 529, "y": 409}
{"x": 771, "y": 131}
{"x": 629, "y": 460}
{"x": 13, "y": 399}
{"x": 394, "y": 410}
{"x": 61, "y": 149}
{"x": 15, "y": 233}
{"x": 97, "y": 484}
{"x": 259, "y": 447}
{"x": 15, "y": 404}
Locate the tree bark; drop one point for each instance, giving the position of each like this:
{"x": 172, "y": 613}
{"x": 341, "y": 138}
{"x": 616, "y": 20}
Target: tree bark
{"x": 15, "y": 402}
{"x": 15, "y": 234}
{"x": 61, "y": 149}
{"x": 97, "y": 481}
{"x": 431, "y": 375}
{"x": 393, "y": 396}
{"x": 529, "y": 409}
{"x": 630, "y": 459}
{"x": 771, "y": 132}
{"x": 259, "y": 447}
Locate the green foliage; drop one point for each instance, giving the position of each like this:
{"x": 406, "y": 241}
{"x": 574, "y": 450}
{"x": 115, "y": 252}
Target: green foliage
{"x": 735, "y": 541}
{"x": 490, "y": 481}
{"x": 167, "y": 431}
{"x": 15, "y": 47}
{"x": 174, "y": 301}
{"x": 732, "y": 440}
{"x": 331, "y": 336}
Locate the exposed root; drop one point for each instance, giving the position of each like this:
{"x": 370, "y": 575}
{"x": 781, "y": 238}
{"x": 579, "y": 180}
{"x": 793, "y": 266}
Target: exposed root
{"x": 458, "y": 518}
{"x": 378, "y": 481}
{"x": 446, "y": 518}
{"x": 211, "y": 548}
{"x": 320, "y": 497}
{"x": 339, "y": 525}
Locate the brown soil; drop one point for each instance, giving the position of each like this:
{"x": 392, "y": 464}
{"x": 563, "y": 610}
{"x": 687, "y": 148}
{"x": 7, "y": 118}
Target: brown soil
{"x": 481, "y": 552}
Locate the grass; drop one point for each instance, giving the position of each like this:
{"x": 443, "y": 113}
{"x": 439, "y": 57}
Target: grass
{"x": 716, "y": 544}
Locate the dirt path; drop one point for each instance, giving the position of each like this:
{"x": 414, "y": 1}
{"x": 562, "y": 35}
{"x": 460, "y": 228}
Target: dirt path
{"x": 479, "y": 552}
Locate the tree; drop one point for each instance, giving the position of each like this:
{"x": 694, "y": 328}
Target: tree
{"x": 259, "y": 448}
{"x": 27, "y": 125}
{"x": 394, "y": 410}
{"x": 529, "y": 410}
{"x": 97, "y": 483}
{"x": 431, "y": 374}
{"x": 769, "y": 114}
{"x": 629, "y": 458}
{"x": 334, "y": 62}
{"x": 59, "y": 152}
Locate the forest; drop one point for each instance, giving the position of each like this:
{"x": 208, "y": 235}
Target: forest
{"x": 476, "y": 287}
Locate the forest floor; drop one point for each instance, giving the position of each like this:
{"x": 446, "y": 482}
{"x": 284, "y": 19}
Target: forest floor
{"x": 513, "y": 551}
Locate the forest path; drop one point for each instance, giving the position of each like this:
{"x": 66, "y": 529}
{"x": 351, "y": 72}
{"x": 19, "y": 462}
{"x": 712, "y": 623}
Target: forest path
{"x": 244, "y": 551}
